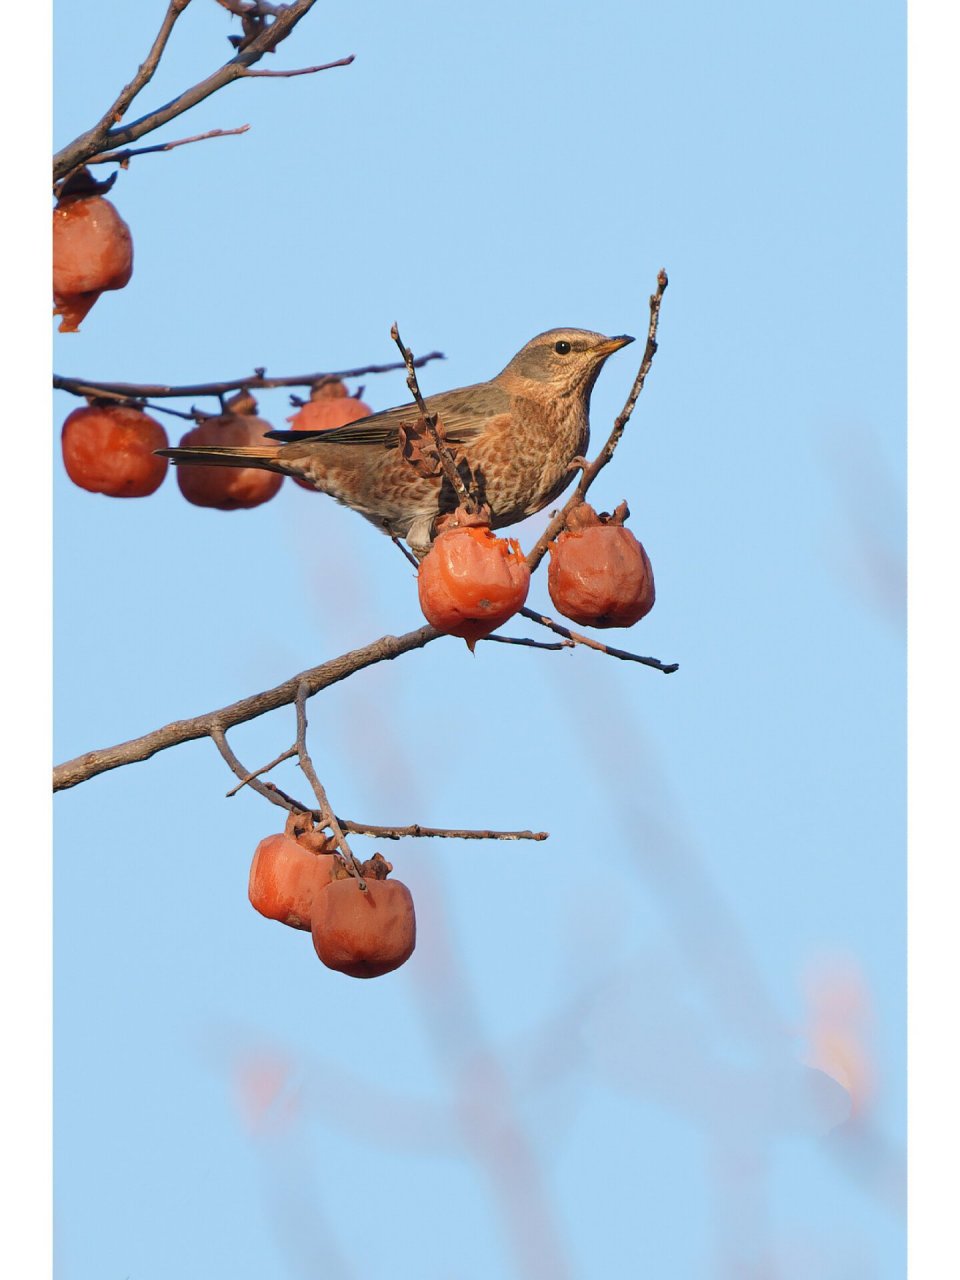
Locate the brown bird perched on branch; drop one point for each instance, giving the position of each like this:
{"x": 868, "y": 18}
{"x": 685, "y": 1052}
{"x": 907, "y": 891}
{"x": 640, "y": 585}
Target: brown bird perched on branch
{"x": 517, "y": 434}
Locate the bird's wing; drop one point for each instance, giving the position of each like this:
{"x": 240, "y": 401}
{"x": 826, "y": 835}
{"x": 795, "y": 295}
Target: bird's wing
{"x": 462, "y": 416}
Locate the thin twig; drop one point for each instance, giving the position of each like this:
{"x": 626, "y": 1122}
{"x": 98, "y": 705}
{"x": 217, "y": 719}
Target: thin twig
{"x": 269, "y": 792}
{"x": 328, "y": 817}
{"x": 249, "y": 8}
{"x": 577, "y": 638}
{"x": 302, "y": 71}
{"x": 530, "y": 644}
{"x": 122, "y": 157}
{"x": 133, "y": 402}
{"x": 257, "y": 773}
{"x": 257, "y": 381}
{"x": 416, "y": 831}
{"x": 591, "y": 470}
{"x": 431, "y": 421}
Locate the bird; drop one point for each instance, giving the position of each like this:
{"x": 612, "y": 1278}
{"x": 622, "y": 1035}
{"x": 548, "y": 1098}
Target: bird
{"x": 520, "y": 435}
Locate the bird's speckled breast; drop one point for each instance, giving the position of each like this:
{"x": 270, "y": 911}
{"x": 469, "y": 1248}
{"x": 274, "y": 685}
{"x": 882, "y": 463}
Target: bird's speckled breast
{"x": 525, "y": 457}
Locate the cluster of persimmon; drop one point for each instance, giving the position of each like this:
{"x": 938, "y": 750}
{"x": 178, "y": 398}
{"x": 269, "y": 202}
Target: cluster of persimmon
{"x": 111, "y": 448}
{"x": 470, "y": 582}
{"x": 362, "y": 923}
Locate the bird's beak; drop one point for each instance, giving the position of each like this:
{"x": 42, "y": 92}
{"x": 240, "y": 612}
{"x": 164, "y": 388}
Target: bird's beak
{"x": 609, "y": 345}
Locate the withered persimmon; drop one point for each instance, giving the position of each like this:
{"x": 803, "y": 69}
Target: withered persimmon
{"x": 229, "y": 488}
{"x": 599, "y": 574}
{"x": 109, "y": 448}
{"x": 288, "y": 872}
{"x": 329, "y": 406}
{"x": 92, "y": 252}
{"x": 470, "y": 581}
{"x": 365, "y": 932}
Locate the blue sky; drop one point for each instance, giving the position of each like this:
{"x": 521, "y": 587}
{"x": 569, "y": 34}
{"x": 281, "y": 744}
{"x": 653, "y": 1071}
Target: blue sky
{"x": 614, "y": 1029}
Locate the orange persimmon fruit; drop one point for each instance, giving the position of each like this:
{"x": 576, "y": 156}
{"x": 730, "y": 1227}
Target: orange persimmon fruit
{"x": 470, "y": 581}
{"x": 287, "y": 874}
{"x": 365, "y": 932}
{"x": 599, "y": 574}
{"x": 109, "y": 448}
{"x": 329, "y": 406}
{"x": 229, "y": 488}
{"x": 92, "y": 252}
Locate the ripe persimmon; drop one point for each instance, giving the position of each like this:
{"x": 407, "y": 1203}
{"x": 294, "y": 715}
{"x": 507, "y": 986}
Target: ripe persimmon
{"x": 109, "y": 448}
{"x": 470, "y": 581}
{"x": 599, "y": 574}
{"x": 92, "y": 252}
{"x": 288, "y": 871}
{"x": 365, "y": 931}
{"x": 329, "y": 406}
{"x": 229, "y": 488}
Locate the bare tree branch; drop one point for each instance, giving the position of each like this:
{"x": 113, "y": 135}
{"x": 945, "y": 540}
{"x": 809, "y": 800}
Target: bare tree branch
{"x": 416, "y": 831}
{"x": 252, "y": 780}
{"x": 257, "y": 381}
{"x": 92, "y": 763}
{"x": 122, "y": 158}
{"x": 303, "y": 71}
{"x": 575, "y": 637}
{"x": 247, "y": 778}
{"x": 530, "y": 644}
{"x": 109, "y": 133}
{"x": 327, "y": 817}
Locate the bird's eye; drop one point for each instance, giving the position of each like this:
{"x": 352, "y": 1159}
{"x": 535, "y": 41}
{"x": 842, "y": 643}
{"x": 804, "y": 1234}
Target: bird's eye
{"x": 562, "y": 348}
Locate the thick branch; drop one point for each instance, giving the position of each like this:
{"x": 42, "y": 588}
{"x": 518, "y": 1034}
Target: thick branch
{"x": 103, "y": 136}
{"x": 257, "y": 381}
{"x": 91, "y": 763}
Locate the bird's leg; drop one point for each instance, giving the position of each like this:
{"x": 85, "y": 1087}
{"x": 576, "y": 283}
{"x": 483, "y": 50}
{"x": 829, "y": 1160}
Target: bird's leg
{"x": 420, "y": 536}
{"x": 404, "y": 550}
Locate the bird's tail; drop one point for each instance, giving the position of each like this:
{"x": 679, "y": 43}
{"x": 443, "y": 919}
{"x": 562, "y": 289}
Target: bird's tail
{"x": 261, "y": 456}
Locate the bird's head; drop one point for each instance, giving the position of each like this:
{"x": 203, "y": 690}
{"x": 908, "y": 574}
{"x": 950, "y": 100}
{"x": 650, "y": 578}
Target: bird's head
{"x": 567, "y": 361}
